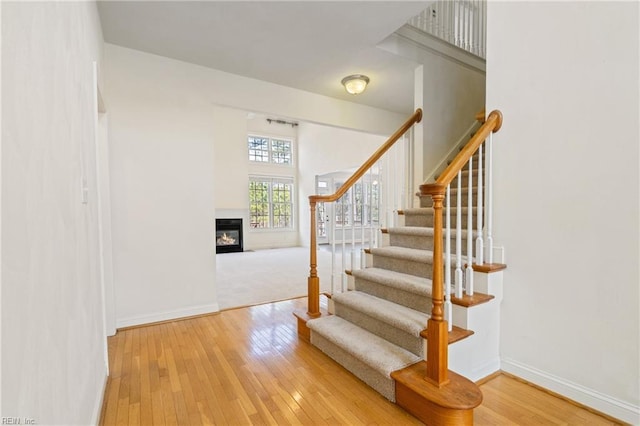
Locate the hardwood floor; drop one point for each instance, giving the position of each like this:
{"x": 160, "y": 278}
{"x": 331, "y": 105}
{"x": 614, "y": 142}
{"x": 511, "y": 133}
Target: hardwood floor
{"x": 247, "y": 366}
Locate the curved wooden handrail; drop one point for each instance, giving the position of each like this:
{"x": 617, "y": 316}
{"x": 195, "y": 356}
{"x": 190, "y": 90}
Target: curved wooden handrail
{"x": 313, "y": 282}
{"x": 491, "y": 125}
{"x": 415, "y": 118}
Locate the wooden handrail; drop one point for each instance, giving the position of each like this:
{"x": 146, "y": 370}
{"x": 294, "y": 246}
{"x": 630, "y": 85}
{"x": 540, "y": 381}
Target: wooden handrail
{"x": 437, "y": 348}
{"x": 415, "y": 118}
{"x": 491, "y": 125}
{"x": 313, "y": 282}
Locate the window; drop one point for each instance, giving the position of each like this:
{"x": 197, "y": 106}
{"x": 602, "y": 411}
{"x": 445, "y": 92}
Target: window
{"x": 270, "y": 150}
{"x": 270, "y": 203}
{"x": 365, "y": 198}
{"x": 258, "y": 149}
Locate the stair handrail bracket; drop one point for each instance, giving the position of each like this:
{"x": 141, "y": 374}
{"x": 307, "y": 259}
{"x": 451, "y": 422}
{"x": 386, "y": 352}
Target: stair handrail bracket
{"x": 313, "y": 282}
{"x": 437, "y": 331}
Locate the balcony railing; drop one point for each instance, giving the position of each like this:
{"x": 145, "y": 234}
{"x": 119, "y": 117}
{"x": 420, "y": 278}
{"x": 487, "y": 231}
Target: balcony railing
{"x": 462, "y": 23}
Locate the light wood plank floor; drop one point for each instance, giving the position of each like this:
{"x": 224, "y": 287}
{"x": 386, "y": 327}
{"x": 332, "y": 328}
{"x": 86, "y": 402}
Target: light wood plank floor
{"x": 247, "y": 366}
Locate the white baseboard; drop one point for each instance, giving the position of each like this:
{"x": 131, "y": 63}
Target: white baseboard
{"x": 485, "y": 370}
{"x": 97, "y": 409}
{"x": 598, "y": 401}
{"x": 168, "y": 315}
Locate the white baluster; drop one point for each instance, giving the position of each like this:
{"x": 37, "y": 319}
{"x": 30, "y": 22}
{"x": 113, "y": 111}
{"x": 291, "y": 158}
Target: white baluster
{"x": 369, "y": 210}
{"x": 459, "y": 275}
{"x": 489, "y": 239}
{"x": 474, "y": 27}
{"x": 343, "y": 274}
{"x": 363, "y": 210}
{"x": 467, "y": 25}
{"x": 447, "y": 262}
{"x": 450, "y": 22}
{"x": 469, "y": 268}
{"x": 457, "y": 25}
{"x": 333, "y": 247}
{"x": 479, "y": 241}
{"x": 484, "y": 29}
{"x": 354, "y": 215}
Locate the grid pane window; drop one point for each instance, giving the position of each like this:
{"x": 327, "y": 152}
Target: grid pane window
{"x": 282, "y": 205}
{"x": 280, "y": 151}
{"x": 267, "y": 150}
{"x": 271, "y": 203}
{"x": 259, "y": 206}
{"x": 258, "y": 149}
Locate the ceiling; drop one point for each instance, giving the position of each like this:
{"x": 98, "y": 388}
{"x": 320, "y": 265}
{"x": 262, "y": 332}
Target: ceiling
{"x": 307, "y": 45}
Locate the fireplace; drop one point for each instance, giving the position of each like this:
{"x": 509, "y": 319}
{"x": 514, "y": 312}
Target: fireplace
{"x": 228, "y": 235}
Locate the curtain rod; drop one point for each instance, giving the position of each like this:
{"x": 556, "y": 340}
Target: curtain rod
{"x": 273, "y": 120}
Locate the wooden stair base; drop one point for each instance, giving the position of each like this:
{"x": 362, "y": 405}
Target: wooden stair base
{"x": 303, "y": 316}
{"x": 449, "y": 404}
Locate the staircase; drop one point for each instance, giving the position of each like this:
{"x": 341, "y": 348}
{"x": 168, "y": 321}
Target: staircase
{"x": 378, "y": 329}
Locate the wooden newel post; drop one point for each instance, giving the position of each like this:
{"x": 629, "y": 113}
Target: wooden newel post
{"x": 437, "y": 329}
{"x": 313, "y": 283}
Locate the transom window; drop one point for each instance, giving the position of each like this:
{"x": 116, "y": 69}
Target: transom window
{"x": 270, "y": 202}
{"x": 270, "y": 150}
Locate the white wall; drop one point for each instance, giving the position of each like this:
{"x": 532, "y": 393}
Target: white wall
{"x": 452, "y": 95}
{"x": 166, "y": 119}
{"x": 325, "y": 149}
{"x": 449, "y": 90}
{"x": 565, "y": 75}
{"x": 53, "y": 343}
{"x": 162, "y": 184}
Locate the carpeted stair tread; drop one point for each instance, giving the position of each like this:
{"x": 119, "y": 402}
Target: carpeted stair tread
{"x": 376, "y": 352}
{"x": 398, "y": 316}
{"x": 398, "y": 280}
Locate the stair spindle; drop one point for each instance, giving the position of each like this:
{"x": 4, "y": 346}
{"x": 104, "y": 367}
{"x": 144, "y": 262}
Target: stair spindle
{"x": 479, "y": 215}
{"x": 469, "y": 269}
{"x": 490, "y": 199}
{"x": 459, "y": 275}
{"x": 344, "y": 245}
{"x": 448, "y": 308}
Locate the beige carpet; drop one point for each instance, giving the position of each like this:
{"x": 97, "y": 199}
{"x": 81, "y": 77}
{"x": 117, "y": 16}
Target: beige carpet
{"x": 262, "y": 276}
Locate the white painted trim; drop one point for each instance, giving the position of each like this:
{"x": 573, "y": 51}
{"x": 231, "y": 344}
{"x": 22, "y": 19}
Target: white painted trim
{"x": 591, "y": 398}
{"x": 408, "y": 41}
{"x": 483, "y": 371}
{"x": 168, "y": 315}
{"x": 97, "y": 408}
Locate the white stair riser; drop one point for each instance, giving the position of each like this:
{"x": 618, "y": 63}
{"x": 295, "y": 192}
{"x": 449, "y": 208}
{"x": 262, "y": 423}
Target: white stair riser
{"x": 426, "y": 242}
{"x": 414, "y": 301}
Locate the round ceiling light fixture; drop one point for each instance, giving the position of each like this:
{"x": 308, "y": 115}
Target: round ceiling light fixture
{"x": 355, "y": 84}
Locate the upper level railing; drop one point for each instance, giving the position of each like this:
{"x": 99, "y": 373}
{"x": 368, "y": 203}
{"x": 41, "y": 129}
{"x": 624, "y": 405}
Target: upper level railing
{"x": 462, "y": 23}
{"x": 313, "y": 282}
{"x": 437, "y": 330}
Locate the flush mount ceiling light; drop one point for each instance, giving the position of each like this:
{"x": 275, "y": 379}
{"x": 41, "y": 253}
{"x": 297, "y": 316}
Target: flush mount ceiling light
{"x": 355, "y": 84}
